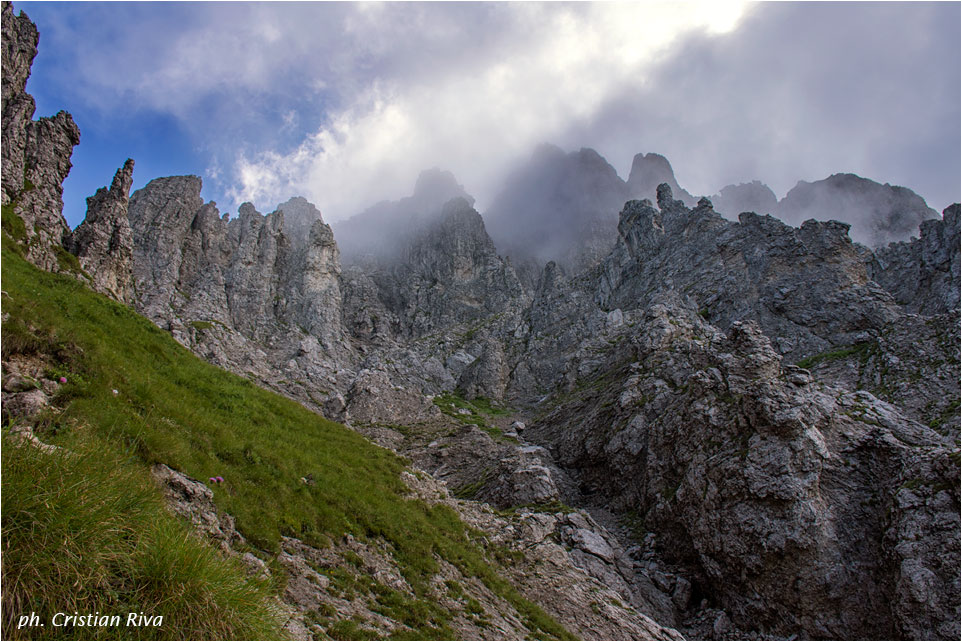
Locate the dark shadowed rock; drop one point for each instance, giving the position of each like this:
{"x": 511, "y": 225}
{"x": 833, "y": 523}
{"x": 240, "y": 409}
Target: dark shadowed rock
{"x": 20, "y": 40}
{"x": 923, "y": 274}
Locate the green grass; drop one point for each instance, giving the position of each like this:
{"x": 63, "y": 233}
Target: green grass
{"x": 175, "y": 409}
{"x": 86, "y": 532}
{"x": 862, "y": 350}
{"x": 68, "y": 262}
{"x": 13, "y": 224}
{"x": 478, "y": 409}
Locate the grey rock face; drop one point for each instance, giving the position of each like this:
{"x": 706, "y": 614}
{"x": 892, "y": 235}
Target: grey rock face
{"x": 487, "y": 375}
{"x": 878, "y": 214}
{"x": 20, "y": 40}
{"x": 560, "y": 207}
{"x": 807, "y": 287}
{"x": 782, "y": 475}
{"x": 239, "y": 292}
{"x": 299, "y": 218}
{"x": 923, "y": 273}
{"x": 449, "y": 274}
{"x": 36, "y": 154}
{"x": 648, "y": 171}
{"x": 739, "y": 463}
{"x": 103, "y": 241}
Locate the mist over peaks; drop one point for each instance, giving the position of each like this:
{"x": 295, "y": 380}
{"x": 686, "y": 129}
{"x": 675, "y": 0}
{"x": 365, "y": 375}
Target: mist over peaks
{"x": 379, "y": 231}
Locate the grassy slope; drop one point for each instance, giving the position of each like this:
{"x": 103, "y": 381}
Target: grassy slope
{"x": 171, "y": 407}
{"x": 86, "y": 532}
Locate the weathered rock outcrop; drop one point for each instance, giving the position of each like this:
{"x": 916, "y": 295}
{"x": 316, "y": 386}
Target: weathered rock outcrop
{"x": 923, "y": 274}
{"x": 36, "y": 154}
{"x": 449, "y": 274}
{"x": 820, "y": 501}
{"x": 798, "y": 506}
{"x": 808, "y": 287}
{"x": 782, "y": 477}
{"x": 103, "y": 241}
{"x": 239, "y": 292}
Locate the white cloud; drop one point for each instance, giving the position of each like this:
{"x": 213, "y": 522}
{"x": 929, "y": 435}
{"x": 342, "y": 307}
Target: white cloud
{"x": 345, "y": 103}
{"x": 562, "y": 63}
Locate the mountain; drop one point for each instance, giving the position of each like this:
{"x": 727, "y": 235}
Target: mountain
{"x": 36, "y": 153}
{"x": 377, "y": 232}
{"x": 558, "y": 207}
{"x": 649, "y": 422}
{"x": 648, "y": 171}
{"x": 755, "y": 197}
{"x": 877, "y": 214}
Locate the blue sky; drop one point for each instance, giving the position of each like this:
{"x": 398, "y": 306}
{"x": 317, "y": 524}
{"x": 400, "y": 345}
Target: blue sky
{"x": 345, "y": 103}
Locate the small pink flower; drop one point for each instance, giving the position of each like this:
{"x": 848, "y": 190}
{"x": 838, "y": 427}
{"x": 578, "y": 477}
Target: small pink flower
{"x": 212, "y": 480}
{"x": 219, "y": 479}
{"x": 63, "y": 379}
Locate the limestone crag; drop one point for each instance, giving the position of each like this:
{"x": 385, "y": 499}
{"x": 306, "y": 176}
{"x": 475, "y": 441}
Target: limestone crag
{"x": 737, "y": 461}
{"x": 808, "y": 287}
{"x": 449, "y": 274}
{"x": 782, "y": 473}
{"x": 757, "y": 424}
{"x": 36, "y": 154}
{"x": 923, "y": 273}
{"x": 20, "y": 38}
{"x": 103, "y": 242}
{"x": 239, "y": 292}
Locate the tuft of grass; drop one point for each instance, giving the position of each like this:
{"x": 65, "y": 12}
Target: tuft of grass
{"x": 176, "y": 409}
{"x": 862, "y": 350}
{"x": 13, "y": 224}
{"x": 85, "y": 531}
{"x": 201, "y": 325}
